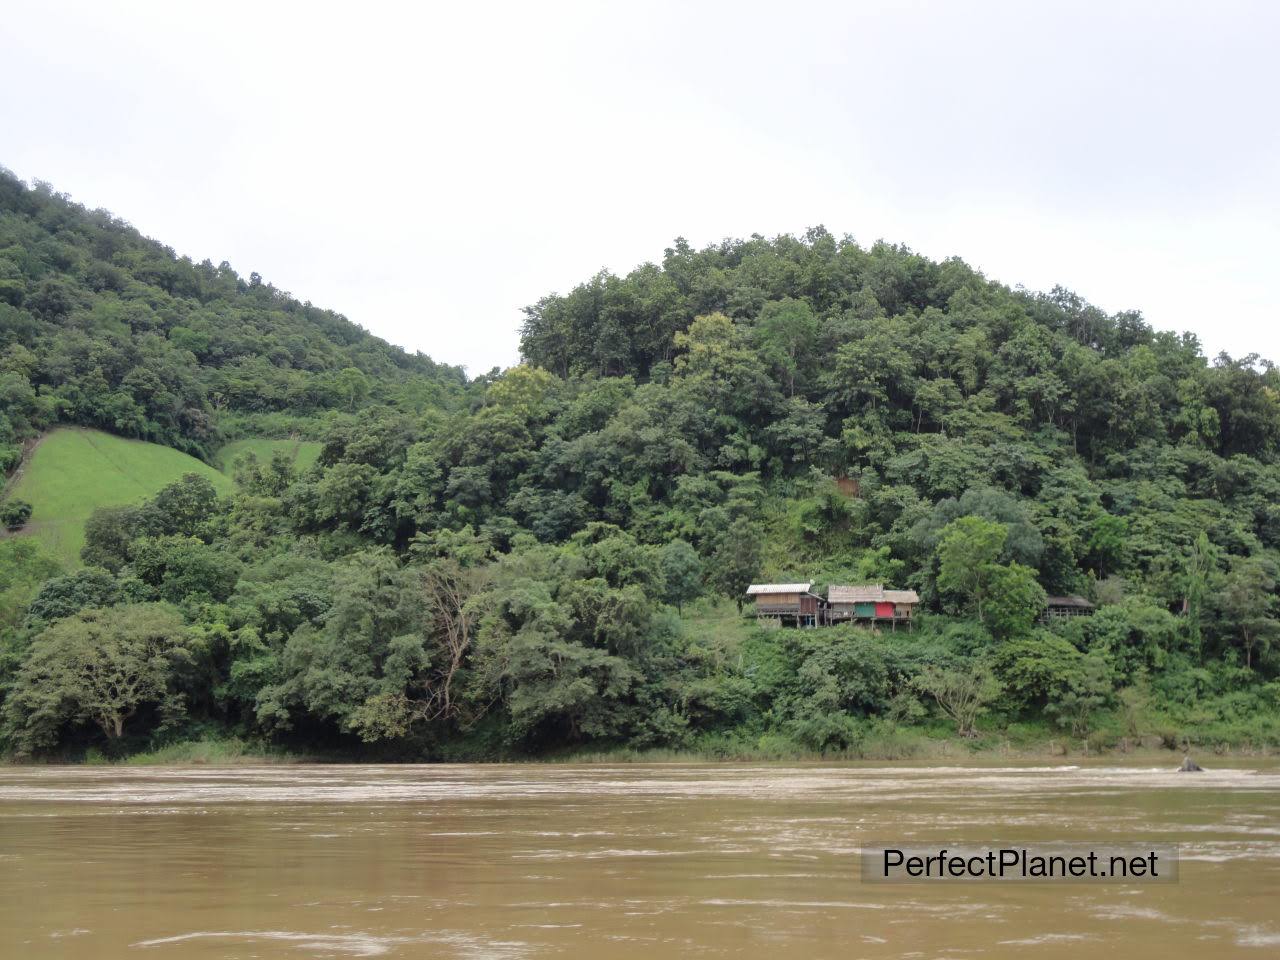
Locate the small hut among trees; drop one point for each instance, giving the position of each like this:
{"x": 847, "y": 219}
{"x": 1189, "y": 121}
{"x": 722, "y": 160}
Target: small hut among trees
{"x": 787, "y": 603}
{"x": 1058, "y": 608}
{"x": 870, "y": 602}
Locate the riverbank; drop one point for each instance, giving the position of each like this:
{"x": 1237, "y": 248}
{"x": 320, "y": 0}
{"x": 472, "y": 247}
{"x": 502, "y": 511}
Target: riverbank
{"x": 902, "y": 746}
{"x": 926, "y": 752}
{"x": 219, "y": 752}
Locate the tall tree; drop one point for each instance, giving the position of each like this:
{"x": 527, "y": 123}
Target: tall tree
{"x": 967, "y": 554}
{"x": 1246, "y": 603}
{"x": 963, "y": 693}
{"x": 1199, "y": 571}
{"x": 102, "y": 666}
{"x": 681, "y": 572}
{"x": 736, "y": 560}
{"x": 1014, "y": 600}
{"x": 787, "y": 331}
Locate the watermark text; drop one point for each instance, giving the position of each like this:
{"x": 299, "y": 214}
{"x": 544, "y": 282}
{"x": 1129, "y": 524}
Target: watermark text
{"x": 1030, "y": 862}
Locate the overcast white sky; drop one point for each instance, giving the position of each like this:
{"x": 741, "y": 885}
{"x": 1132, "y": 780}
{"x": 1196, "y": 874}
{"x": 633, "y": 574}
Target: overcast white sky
{"x": 429, "y": 169}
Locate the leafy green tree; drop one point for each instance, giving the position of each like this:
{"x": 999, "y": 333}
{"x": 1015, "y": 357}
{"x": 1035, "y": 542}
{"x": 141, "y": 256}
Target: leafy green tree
{"x": 342, "y": 497}
{"x": 358, "y": 670}
{"x": 1080, "y": 693}
{"x": 1246, "y": 604}
{"x": 719, "y": 367}
{"x": 551, "y": 686}
{"x": 682, "y": 572}
{"x": 1107, "y": 536}
{"x": 837, "y": 676}
{"x": 352, "y": 384}
{"x": 185, "y": 568}
{"x": 736, "y": 559}
{"x": 934, "y": 400}
{"x": 1200, "y": 569}
{"x": 875, "y": 368}
{"x": 14, "y": 514}
{"x": 787, "y": 331}
{"x": 962, "y": 693}
{"x": 109, "y": 534}
{"x": 63, "y": 596}
{"x": 1023, "y": 542}
{"x": 281, "y": 593}
{"x": 1014, "y": 600}
{"x": 101, "y": 666}
{"x": 1030, "y": 669}
{"x": 184, "y": 507}
{"x": 967, "y": 556}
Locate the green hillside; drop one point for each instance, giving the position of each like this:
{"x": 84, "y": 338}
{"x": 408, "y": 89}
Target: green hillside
{"x": 73, "y": 471}
{"x": 557, "y": 557}
{"x": 103, "y": 327}
{"x": 303, "y": 453}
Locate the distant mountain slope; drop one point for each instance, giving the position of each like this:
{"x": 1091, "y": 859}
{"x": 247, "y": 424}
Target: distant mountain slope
{"x": 71, "y": 472}
{"x": 102, "y": 327}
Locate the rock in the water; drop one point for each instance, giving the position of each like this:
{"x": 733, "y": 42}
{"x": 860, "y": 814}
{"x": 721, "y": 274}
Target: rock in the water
{"x": 1190, "y": 766}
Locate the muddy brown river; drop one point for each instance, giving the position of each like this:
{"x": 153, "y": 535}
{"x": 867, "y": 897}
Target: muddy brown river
{"x": 592, "y": 861}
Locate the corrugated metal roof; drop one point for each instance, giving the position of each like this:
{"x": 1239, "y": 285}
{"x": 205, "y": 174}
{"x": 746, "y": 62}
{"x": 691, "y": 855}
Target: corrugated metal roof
{"x": 862, "y": 593}
{"x": 759, "y": 588}
{"x": 901, "y": 596}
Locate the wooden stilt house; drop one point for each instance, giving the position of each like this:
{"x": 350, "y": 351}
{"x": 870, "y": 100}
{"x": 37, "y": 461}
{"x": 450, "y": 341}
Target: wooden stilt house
{"x": 1058, "y": 608}
{"x": 870, "y": 603}
{"x": 793, "y": 604}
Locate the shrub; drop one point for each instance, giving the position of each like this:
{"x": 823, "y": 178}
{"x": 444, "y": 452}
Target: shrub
{"x": 14, "y": 514}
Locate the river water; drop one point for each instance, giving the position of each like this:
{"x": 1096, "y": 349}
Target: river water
{"x": 599, "y": 861}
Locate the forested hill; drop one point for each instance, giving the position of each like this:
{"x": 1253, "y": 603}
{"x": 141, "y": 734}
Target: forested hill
{"x": 901, "y": 343}
{"x": 100, "y": 326}
{"x": 556, "y": 556}
{"x": 941, "y": 392}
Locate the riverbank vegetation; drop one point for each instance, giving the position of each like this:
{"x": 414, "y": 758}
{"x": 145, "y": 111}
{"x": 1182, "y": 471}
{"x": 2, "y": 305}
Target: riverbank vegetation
{"x": 551, "y": 561}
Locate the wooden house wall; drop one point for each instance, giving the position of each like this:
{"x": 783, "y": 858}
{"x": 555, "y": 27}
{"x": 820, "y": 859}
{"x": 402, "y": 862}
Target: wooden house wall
{"x": 778, "y": 599}
{"x": 879, "y": 610}
{"x": 784, "y": 603}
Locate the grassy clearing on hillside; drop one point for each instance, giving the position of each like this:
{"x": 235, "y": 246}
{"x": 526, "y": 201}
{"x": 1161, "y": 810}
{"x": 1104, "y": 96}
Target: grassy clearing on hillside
{"x": 73, "y": 471}
{"x": 717, "y": 622}
{"x": 303, "y": 452}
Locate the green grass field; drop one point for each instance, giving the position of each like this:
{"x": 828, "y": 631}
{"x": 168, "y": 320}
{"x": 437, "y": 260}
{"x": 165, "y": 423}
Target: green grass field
{"x": 304, "y": 452}
{"x": 73, "y": 471}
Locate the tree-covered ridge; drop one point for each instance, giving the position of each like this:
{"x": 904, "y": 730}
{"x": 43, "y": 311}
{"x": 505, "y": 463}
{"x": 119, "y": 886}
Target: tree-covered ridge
{"x": 559, "y": 557}
{"x": 100, "y": 326}
{"x": 913, "y": 345}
